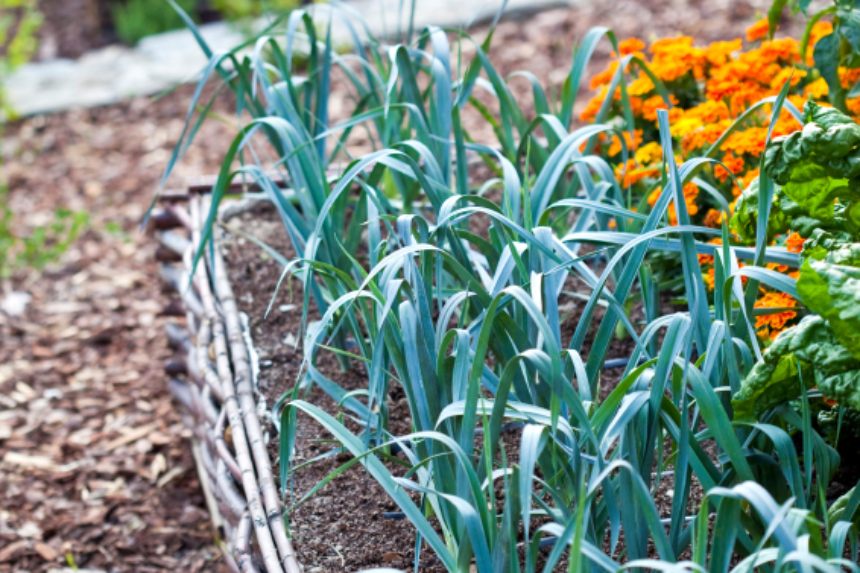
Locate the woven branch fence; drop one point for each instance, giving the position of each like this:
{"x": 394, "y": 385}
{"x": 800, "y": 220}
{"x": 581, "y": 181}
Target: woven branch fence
{"x": 220, "y": 397}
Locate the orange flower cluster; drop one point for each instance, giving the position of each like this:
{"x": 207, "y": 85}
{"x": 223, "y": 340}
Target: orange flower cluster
{"x": 716, "y": 83}
{"x": 691, "y": 194}
{"x": 709, "y": 87}
{"x": 770, "y": 325}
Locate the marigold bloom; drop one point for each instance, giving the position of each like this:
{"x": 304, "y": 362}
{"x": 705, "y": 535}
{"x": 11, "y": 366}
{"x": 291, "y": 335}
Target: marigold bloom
{"x": 691, "y": 193}
{"x": 615, "y": 147}
{"x": 734, "y": 164}
{"x": 652, "y": 104}
{"x": 707, "y": 135}
{"x": 853, "y": 106}
{"x": 751, "y": 140}
{"x": 848, "y": 76}
{"x": 777, "y": 320}
{"x": 631, "y": 46}
{"x": 649, "y": 153}
{"x": 758, "y": 30}
{"x": 819, "y": 30}
{"x": 709, "y": 278}
{"x": 685, "y": 125}
{"x": 794, "y": 243}
{"x": 787, "y": 74}
{"x": 604, "y": 77}
{"x": 784, "y": 50}
{"x": 817, "y": 89}
{"x": 719, "y": 52}
{"x": 634, "y": 174}
{"x": 640, "y": 86}
{"x": 589, "y": 114}
{"x": 709, "y": 111}
{"x": 713, "y": 218}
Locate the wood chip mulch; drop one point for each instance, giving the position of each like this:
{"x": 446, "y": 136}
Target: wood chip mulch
{"x": 95, "y": 469}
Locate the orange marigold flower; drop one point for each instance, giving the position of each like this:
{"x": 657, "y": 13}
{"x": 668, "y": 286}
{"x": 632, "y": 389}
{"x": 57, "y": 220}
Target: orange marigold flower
{"x": 615, "y": 148}
{"x": 589, "y": 114}
{"x": 776, "y": 320}
{"x": 819, "y": 30}
{"x": 649, "y": 153}
{"x": 777, "y": 267}
{"x": 745, "y": 181}
{"x": 633, "y": 174}
{"x": 853, "y": 106}
{"x": 631, "y": 46}
{"x": 705, "y": 259}
{"x": 718, "y": 53}
{"x": 714, "y": 218}
{"x": 817, "y": 89}
{"x": 751, "y": 140}
{"x": 668, "y": 45}
{"x": 706, "y": 135}
{"x": 685, "y": 125}
{"x": 734, "y": 164}
{"x": 787, "y": 74}
{"x": 691, "y": 193}
{"x": 604, "y": 77}
{"x": 640, "y": 86}
{"x": 758, "y": 30}
{"x": 709, "y": 278}
{"x": 794, "y": 243}
{"x": 652, "y": 104}
{"x": 783, "y": 50}
{"x": 848, "y": 76}
{"x": 709, "y": 111}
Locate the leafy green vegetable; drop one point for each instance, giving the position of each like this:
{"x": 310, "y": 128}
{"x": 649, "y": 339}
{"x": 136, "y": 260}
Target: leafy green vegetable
{"x": 830, "y": 423}
{"x": 827, "y": 146}
{"x": 745, "y": 218}
{"x": 833, "y": 291}
{"x": 837, "y": 510}
{"x": 832, "y": 247}
{"x": 823, "y": 362}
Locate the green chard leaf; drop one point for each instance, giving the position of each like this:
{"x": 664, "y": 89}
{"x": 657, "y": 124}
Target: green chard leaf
{"x": 833, "y": 291}
{"x": 829, "y": 140}
{"x": 745, "y": 219}
{"x": 823, "y": 361}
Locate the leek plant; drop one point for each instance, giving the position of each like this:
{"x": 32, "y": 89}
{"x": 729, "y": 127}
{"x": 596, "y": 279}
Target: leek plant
{"x": 470, "y": 324}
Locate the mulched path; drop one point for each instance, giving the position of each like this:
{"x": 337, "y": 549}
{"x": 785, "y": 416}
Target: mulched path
{"x": 94, "y": 468}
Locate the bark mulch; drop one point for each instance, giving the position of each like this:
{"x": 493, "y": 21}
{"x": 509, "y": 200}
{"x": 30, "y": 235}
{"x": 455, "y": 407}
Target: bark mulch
{"x": 95, "y": 471}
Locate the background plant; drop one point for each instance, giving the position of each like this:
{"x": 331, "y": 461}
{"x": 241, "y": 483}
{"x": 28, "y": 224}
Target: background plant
{"x": 136, "y": 19}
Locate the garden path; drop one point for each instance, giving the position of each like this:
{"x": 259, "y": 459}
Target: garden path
{"x": 113, "y": 73}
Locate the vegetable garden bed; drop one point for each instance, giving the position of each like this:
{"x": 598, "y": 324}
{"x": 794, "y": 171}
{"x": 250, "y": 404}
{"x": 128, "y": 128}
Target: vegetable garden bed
{"x": 551, "y": 366}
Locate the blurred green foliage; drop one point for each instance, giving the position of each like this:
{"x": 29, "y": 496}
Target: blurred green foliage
{"x": 19, "y": 22}
{"x": 43, "y": 245}
{"x": 239, "y": 9}
{"x": 136, "y": 19}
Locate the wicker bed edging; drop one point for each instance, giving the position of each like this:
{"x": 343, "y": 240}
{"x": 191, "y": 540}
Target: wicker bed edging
{"x": 235, "y": 472}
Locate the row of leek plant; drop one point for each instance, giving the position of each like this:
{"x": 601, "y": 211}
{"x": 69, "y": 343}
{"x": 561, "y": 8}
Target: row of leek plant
{"x": 589, "y": 468}
{"x": 586, "y": 467}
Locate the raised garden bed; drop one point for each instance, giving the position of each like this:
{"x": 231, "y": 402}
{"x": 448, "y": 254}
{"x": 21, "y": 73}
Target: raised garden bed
{"x": 533, "y": 365}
